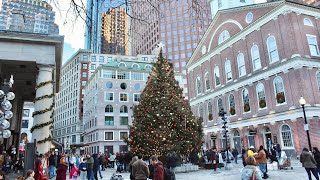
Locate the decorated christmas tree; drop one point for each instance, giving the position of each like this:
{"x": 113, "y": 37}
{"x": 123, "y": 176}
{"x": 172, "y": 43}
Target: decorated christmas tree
{"x": 163, "y": 120}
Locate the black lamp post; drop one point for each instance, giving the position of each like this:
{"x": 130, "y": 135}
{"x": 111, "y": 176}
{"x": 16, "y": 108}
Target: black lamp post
{"x": 222, "y": 114}
{"x": 302, "y": 102}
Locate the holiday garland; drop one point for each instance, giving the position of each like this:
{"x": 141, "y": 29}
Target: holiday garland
{"x": 45, "y": 140}
{"x": 39, "y": 126}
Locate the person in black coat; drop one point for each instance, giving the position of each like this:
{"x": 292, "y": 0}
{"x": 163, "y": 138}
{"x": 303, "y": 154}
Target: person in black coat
{"x": 96, "y": 165}
{"x": 316, "y": 154}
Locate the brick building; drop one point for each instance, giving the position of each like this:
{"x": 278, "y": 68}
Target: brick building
{"x": 256, "y": 62}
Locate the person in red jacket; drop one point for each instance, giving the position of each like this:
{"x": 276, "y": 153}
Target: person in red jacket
{"x": 158, "y": 173}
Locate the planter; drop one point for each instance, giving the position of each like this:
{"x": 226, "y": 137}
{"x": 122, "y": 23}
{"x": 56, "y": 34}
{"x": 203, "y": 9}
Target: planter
{"x": 262, "y": 103}
{"x": 280, "y": 98}
{"x": 246, "y": 107}
{"x": 232, "y": 111}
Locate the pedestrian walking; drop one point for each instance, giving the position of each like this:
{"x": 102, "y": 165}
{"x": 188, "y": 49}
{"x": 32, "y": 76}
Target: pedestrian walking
{"x": 62, "y": 168}
{"x": 83, "y": 169}
{"x": 309, "y": 163}
{"x": 90, "y": 162}
{"x": 140, "y": 170}
{"x": 251, "y": 171}
{"x": 316, "y": 154}
{"x": 74, "y": 173}
{"x": 134, "y": 159}
{"x": 244, "y": 156}
{"x": 262, "y": 161}
{"x": 278, "y": 148}
{"x": 213, "y": 158}
{"x": 112, "y": 159}
{"x": 235, "y": 154}
{"x": 52, "y": 164}
{"x": 158, "y": 173}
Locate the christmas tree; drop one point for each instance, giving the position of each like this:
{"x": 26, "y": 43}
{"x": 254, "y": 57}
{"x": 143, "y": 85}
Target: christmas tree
{"x": 163, "y": 120}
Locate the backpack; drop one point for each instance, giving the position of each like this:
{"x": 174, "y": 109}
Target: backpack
{"x": 168, "y": 174}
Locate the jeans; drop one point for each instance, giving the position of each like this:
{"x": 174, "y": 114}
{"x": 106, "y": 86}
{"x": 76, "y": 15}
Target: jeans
{"x": 52, "y": 171}
{"x": 90, "y": 175}
{"x": 83, "y": 175}
{"x": 236, "y": 159}
{"x": 263, "y": 167}
{"x": 100, "y": 173}
{"x": 314, "y": 172}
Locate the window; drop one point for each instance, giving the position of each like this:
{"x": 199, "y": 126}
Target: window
{"x": 85, "y": 58}
{"x": 198, "y": 84}
{"x": 109, "y": 85}
{"x": 123, "y": 109}
{"x": 201, "y": 111}
{"x": 123, "y": 75}
{"x": 109, "y": 74}
{"x": 241, "y": 65}
{"x": 93, "y": 59}
{"x": 109, "y": 109}
{"x": 108, "y": 136}
{"x": 73, "y": 138}
{"x": 261, "y": 95}
{"x": 220, "y": 104}
{"x": 101, "y": 59}
{"x": 217, "y": 75}
{"x": 123, "y": 86}
{"x": 223, "y": 36}
{"x": 246, "y": 100}
{"x": 249, "y": 16}
{"x": 137, "y": 87}
{"x": 206, "y": 81}
{"x": 84, "y": 74}
{"x": 313, "y": 45}
{"x": 135, "y": 66}
{"x": 232, "y": 105}
{"x": 286, "y": 136}
{"x": 136, "y": 97}
{"x": 148, "y": 67}
{"x": 137, "y": 76}
{"x": 25, "y": 124}
{"x": 83, "y": 83}
{"x": 307, "y": 22}
{"x": 109, "y": 96}
{"x": 255, "y": 55}
{"x": 227, "y": 67}
{"x": 210, "y": 111}
{"x": 318, "y": 80}
{"x": 84, "y": 66}
{"x": 272, "y": 49}
{"x": 123, "y": 120}
{"x": 279, "y": 90}
{"x": 26, "y": 113}
{"x": 93, "y": 67}
{"x": 122, "y": 65}
{"x": 108, "y": 120}
{"x": 123, "y": 97}
{"x": 123, "y": 135}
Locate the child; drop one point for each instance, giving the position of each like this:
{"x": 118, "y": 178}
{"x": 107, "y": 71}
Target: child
{"x": 74, "y": 173}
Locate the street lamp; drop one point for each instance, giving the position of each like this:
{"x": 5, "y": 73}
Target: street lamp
{"x": 302, "y": 102}
{"x": 224, "y": 122}
{"x": 5, "y": 109}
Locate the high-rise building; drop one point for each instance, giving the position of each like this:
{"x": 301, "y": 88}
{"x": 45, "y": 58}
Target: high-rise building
{"x": 68, "y": 117}
{"x": 177, "y": 24}
{"x": 114, "y": 33}
{"x": 38, "y": 16}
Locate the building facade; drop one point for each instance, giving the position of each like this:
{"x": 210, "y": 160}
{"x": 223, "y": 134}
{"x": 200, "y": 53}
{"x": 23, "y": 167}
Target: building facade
{"x": 112, "y": 91}
{"x": 115, "y": 35}
{"x": 38, "y": 16}
{"x": 178, "y": 25}
{"x": 68, "y": 124}
{"x": 256, "y": 62}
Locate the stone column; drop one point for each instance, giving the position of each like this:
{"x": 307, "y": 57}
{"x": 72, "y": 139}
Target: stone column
{"x": 45, "y": 104}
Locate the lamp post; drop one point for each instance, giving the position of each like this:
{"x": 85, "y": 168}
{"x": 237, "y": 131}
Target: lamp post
{"x": 224, "y": 122}
{"x": 302, "y": 102}
{"x": 5, "y": 109}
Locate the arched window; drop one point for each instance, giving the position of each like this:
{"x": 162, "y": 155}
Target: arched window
{"x": 307, "y": 22}
{"x": 198, "y": 85}
{"x": 261, "y": 95}
{"x": 279, "y": 90}
{"x": 210, "y": 111}
{"x": 135, "y": 66}
{"x": 246, "y": 100}
{"x": 286, "y": 136}
{"x": 227, "y": 67}
{"x": 241, "y": 65}
{"x": 318, "y": 80}
{"x": 217, "y": 75}
{"x": 108, "y": 109}
{"x": 272, "y": 49}
{"x": 201, "y": 111}
{"x": 223, "y": 36}
{"x": 236, "y": 133}
{"x": 148, "y": 67}
{"x": 123, "y": 109}
{"x": 206, "y": 81}
{"x": 220, "y": 104}
{"x": 232, "y": 105}
{"x": 122, "y": 65}
{"x": 255, "y": 55}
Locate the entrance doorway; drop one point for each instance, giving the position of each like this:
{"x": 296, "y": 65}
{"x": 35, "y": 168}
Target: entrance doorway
{"x": 236, "y": 141}
{"x": 267, "y": 137}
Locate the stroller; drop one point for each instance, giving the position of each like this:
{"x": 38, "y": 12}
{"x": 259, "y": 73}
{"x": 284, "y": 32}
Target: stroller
{"x": 285, "y": 163}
